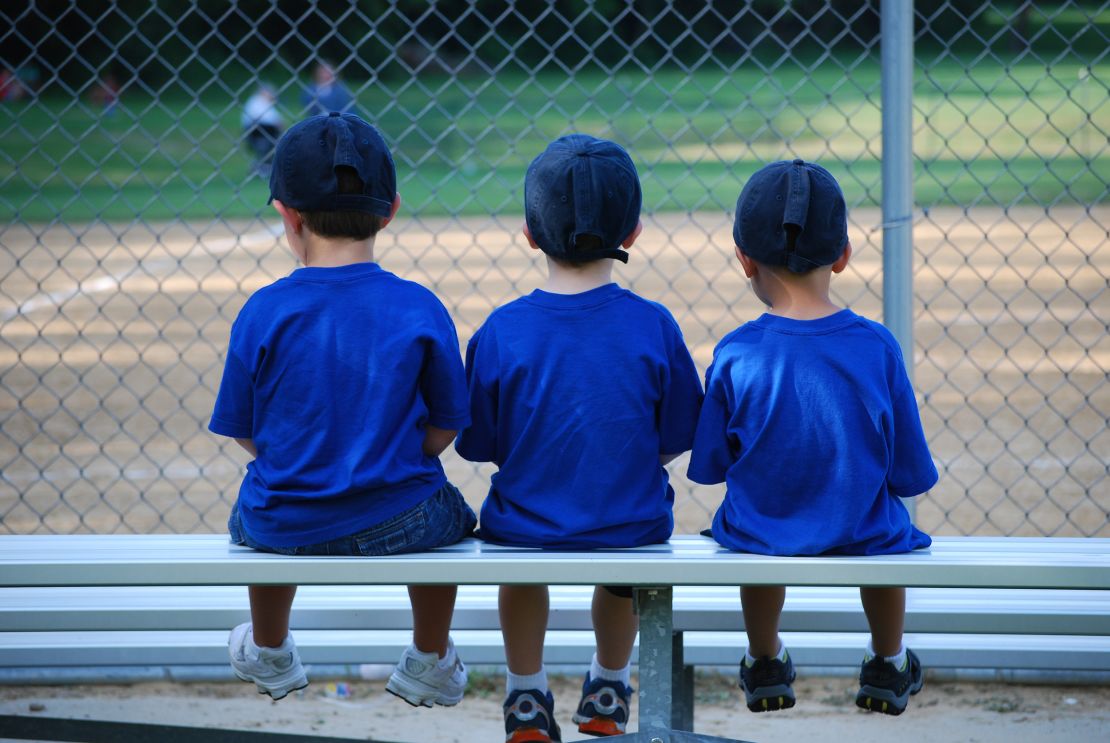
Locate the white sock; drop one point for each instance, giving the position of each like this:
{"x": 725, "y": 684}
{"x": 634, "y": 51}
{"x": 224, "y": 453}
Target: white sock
{"x": 516, "y": 681}
{"x": 898, "y": 661}
{"x": 749, "y": 661}
{"x": 598, "y": 671}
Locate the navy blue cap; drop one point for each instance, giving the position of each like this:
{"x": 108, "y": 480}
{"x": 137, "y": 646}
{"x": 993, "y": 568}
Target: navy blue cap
{"x": 792, "y": 193}
{"x": 582, "y": 185}
{"x": 303, "y": 176}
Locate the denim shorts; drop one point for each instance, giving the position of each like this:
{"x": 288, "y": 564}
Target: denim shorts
{"x": 442, "y": 519}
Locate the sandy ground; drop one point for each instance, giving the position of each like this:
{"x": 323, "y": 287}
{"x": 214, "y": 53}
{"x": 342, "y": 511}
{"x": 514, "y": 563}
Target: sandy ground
{"x": 944, "y": 711}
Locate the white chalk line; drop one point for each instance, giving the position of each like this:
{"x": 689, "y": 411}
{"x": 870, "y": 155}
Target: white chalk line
{"x": 113, "y": 281}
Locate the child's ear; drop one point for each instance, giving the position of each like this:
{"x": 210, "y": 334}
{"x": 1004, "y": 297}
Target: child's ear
{"x": 291, "y": 218}
{"x": 842, "y": 262}
{"x": 627, "y": 242}
{"x": 528, "y": 236}
{"x": 393, "y": 209}
{"x": 751, "y": 268}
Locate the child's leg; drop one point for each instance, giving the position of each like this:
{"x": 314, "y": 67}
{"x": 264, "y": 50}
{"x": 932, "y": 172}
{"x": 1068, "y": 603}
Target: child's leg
{"x": 615, "y": 627}
{"x": 529, "y": 707}
{"x": 890, "y": 673}
{"x": 607, "y": 693}
{"x": 762, "y": 607}
{"x": 885, "y": 608}
{"x": 270, "y": 607}
{"x": 767, "y": 672}
{"x": 523, "y": 611}
{"x": 432, "y": 609}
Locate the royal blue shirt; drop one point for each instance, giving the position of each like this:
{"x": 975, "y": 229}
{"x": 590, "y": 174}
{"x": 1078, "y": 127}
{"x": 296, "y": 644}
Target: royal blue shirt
{"x": 814, "y": 429}
{"x": 335, "y": 373}
{"x": 575, "y": 397}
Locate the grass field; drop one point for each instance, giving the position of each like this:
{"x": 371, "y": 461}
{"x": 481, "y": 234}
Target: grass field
{"x": 986, "y": 132}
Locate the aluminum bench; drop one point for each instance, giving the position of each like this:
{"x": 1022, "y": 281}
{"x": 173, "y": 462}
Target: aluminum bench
{"x": 118, "y": 600}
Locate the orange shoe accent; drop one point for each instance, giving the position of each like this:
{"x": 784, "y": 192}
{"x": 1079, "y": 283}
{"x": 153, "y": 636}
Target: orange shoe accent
{"x": 600, "y": 726}
{"x": 528, "y": 735}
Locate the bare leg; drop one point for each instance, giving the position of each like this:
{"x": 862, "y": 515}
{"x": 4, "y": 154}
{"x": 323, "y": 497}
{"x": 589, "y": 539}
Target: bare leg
{"x": 270, "y": 607}
{"x": 615, "y": 628}
{"x": 885, "y": 608}
{"x": 762, "y": 608}
{"x": 432, "y": 609}
{"x": 523, "y": 611}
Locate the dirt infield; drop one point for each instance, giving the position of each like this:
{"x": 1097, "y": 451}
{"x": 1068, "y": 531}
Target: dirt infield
{"x": 943, "y": 711}
{"x": 112, "y": 342}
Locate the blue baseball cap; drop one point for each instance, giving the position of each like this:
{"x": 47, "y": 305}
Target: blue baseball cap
{"x": 792, "y": 193}
{"x": 303, "y": 176}
{"x": 582, "y": 185}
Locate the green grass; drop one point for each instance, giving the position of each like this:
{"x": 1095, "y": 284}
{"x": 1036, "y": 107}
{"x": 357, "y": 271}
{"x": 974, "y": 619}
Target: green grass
{"x": 995, "y": 133}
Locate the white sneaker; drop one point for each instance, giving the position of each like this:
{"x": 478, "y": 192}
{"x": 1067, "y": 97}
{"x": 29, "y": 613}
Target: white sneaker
{"x": 421, "y": 681}
{"x": 275, "y": 671}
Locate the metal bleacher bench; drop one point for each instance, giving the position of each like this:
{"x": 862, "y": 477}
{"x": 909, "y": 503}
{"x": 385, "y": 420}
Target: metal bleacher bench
{"x": 69, "y": 601}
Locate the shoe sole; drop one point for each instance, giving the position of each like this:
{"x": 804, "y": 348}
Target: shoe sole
{"x": 599, "y": 726}
{"x": 528, "y": 735}
{"x": 274, "y": 693}
{"x": 419, "y": 697}
{"x": 877, "y": 699}
{"x": 769, "y": 698}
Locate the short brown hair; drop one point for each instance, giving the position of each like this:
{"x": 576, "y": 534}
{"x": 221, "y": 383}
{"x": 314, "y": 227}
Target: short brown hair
{"x": 344, "y": 224}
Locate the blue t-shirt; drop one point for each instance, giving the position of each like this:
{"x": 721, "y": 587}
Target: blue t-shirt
{"x": 813, "y": 426}
{"x": 335, "y": 373}
{"x": 574, "y": 397}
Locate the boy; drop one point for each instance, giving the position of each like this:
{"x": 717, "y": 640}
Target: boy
{"x": 810, "y": 420}
{"x": 345, "y": 383}
{"x": 579, "y": 392}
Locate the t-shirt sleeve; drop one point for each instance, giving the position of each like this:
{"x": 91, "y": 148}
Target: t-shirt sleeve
{"x": 233, "y": 414}
{"x": 682, "y": 397}
{"x": 912, "y": 471}
{"x": 478, "y": 442}
{"x": 443, "y": 381}
{"x": 713, "y": 451}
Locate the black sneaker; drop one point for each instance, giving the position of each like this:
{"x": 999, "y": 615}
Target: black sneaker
{"x": 766, "y": 684}
{"x": 884, "y": 688}
{"x": 603, "y": 710}
{"x": 530, "y": 717}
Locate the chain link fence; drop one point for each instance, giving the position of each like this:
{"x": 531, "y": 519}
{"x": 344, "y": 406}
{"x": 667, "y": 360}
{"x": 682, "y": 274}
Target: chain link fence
{"x": 135, "y": 225}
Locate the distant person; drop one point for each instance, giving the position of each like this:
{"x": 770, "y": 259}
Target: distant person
{"x": 262, "y": 126}
{"x": 11, "y": 89}
{"x": 580, "y": 393}
{"x": 106, "y": 94}
{"x": 810, "y": 421}
{"x": 344, "y": 383}
{"x": 327, "y": 93}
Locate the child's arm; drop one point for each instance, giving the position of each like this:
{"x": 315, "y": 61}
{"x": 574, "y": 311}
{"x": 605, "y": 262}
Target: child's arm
{"x": 436, "y": 440}
{"x": 248, "y": 444}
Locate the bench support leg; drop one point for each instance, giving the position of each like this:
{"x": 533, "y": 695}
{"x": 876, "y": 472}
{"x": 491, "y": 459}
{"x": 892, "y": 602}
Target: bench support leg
{"x": 656, "y": 659}
{"x": 682, "y": 682}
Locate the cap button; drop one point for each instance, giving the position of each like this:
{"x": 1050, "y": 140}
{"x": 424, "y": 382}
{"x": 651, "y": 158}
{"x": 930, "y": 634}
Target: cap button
{"x": 335, "y": 113}
{"x": 799, "y": 161}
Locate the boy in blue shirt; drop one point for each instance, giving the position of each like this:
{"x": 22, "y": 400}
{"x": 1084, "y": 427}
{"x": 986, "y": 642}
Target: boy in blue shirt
{"x": 580, "y": 392}
{"x": 810, "y": 420}
{"x": 345, "y": 383}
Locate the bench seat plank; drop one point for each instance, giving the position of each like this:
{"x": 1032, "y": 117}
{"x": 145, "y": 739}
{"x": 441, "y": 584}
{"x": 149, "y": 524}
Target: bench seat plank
{"x": 703, "y": 608}
{"x": 208, "y": 559}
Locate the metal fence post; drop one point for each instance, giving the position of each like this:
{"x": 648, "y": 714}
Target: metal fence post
{"x": 897, "y": 170}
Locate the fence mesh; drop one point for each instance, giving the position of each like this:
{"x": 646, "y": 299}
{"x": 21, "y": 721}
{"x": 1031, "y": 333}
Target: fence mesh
{"x": 135, "y": 221}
